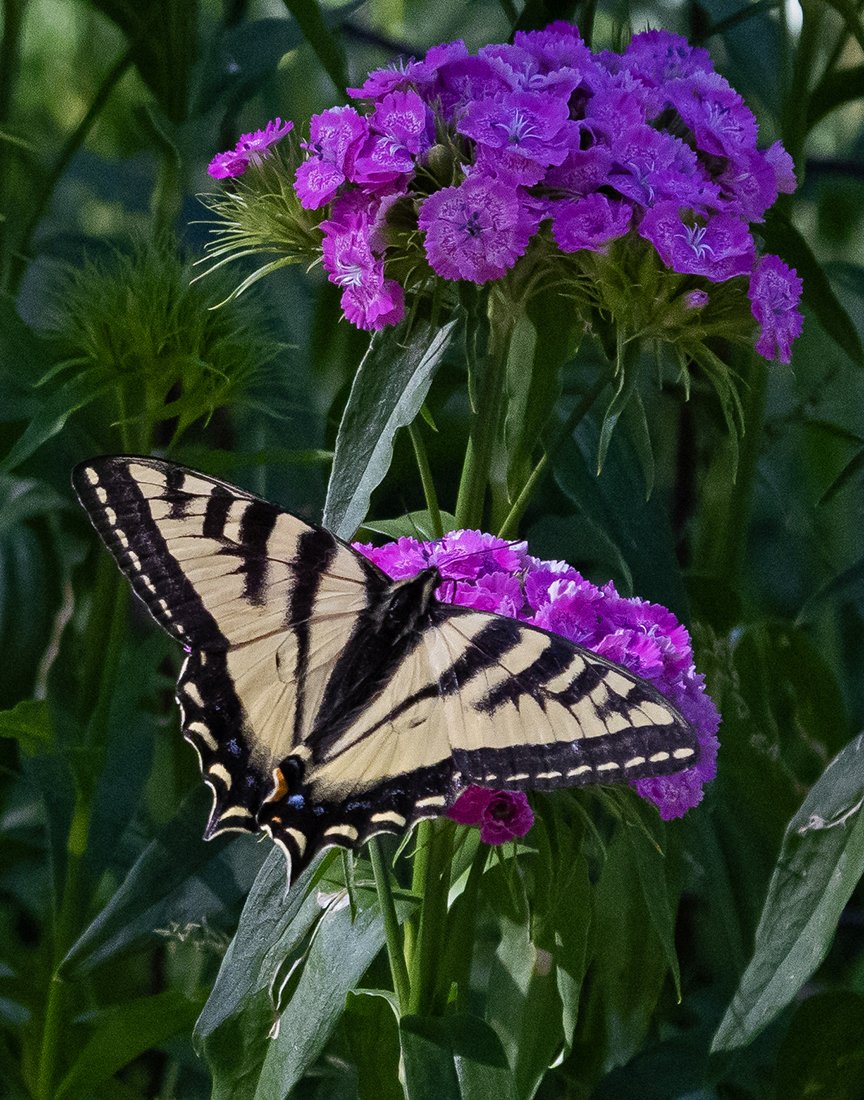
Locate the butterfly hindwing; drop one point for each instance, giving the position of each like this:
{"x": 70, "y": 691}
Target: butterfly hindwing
{"x": 327, "y": 703}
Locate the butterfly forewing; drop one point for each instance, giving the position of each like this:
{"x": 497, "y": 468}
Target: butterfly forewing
{"x": 327, "y": 703}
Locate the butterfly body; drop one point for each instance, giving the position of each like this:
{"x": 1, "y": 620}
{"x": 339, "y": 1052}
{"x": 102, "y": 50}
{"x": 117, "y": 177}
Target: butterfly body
{"x": 328, "y": 702}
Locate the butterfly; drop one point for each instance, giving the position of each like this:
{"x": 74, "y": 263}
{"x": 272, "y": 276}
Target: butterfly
{"x": 327, "y": 702}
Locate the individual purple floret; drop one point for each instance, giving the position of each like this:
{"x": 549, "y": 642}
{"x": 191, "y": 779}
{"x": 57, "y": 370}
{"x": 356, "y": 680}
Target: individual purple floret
{"x": 335, "y": 137}
{"x": 590, "y": 223}
{"x": 258, "y": 142}
{"x": 718, "y": 248}
{"x": 476, "y": 231}
{"x": 775, "y": 291}
{"x": 227, "y": 165}
{"x": 250, "y": 149}
{"x": 501, "y": 815}
{"x": 489, "y": 574}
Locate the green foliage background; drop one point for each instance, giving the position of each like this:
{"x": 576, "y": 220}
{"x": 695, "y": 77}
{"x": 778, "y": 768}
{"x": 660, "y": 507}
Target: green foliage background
{"x": 115, "y": 915}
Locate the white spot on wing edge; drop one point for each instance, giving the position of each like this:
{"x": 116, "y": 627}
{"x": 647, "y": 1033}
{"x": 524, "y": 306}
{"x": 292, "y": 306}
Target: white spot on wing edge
{"x": 388, "y": 816}
{"x": 683, "y": 754}
{"x": 91, "y": 475}
{"x": 348, "y": 832}
{"x": 219, "y": 771}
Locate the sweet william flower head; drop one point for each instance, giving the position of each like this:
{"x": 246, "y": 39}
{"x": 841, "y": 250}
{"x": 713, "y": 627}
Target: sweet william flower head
{"x": 489, "y": 574}
{"x": 540, "y": 155}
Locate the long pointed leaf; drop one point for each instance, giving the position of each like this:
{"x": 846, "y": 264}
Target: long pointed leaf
{"x": 390, "y": 386}
{"x": 819, "y": 865}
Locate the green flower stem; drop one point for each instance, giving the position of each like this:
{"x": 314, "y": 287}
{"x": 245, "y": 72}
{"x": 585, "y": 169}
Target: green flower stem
{"x": 486, "y": 418}
{"x": 721, "y": 548}
{"x": 100, "y": 678}
{"x": 426, "y": 479}
{"x": 431, "y": 882}
{"x": 395, "y": 952}
{"x": 510, "y": 527}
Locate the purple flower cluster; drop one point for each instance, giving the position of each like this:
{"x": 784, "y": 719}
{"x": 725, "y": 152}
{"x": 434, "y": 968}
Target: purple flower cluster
{"x": 489, "y": 574}
{"x": 487, "y": 150}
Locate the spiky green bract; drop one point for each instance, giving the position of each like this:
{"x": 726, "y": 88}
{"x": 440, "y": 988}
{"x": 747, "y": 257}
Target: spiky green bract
{"x": 137, "y": 322}
{"x": 260, "y": 215}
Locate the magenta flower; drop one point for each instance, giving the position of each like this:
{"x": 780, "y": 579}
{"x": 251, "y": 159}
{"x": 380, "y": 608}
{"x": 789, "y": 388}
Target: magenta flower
{"x": 476, "y": 151}
{"x": 476, "y": 231}
{"x": 489, "y": 574}
{"x": 589, "y": 223}
{"x": 401, "y": 131}
{"x": 501, "y": 815}
{"x": 259, "y": 141}
{"x": 335, "y": 136}
{"x": 775, "y": 291}
{"x": 228, "y": 165}
{"x": 525, "y": 131}
{"x": 250, "y": 149}
{"x": 718, "y": 248}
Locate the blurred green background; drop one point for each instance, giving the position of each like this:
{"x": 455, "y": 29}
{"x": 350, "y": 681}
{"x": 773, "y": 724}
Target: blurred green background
{"x": 109, "y": 113}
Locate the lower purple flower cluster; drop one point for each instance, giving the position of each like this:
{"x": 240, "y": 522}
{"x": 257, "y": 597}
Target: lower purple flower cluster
{"x": 488, "y": 148}
{"x": 489, "y": 574}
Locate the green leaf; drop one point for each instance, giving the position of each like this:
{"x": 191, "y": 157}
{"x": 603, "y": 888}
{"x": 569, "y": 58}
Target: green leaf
{"x": 613, "y": 506}
{"x": 456, "y": 1057}
{"x": 30, "y": 724}
{"x": 523, "y": 1004}
{"x": 163, "y": 38}
{"x": 782, "y": 237}
{"x": 837, "y": 87}
{"x": 341, "y": 951}
{"x": 324, "y": 40}
{"x": 412, "y": 524}
{"x": 233, "y": 1031}
{"x": 846, "y": 475}
{"x": 840, "y": 588}
{"x": 120, "y": 1033}
{"x": 371, "y": 1026}
{"x": 390, "y": 386}
{"x": 822, "y": 1055}
{"x": 178, "y": 882}
{"x": 242, "y": 58}
{"x": 820, "y": 863}
{"x": 53, "y": 412}
{"x": 650, "y": 862}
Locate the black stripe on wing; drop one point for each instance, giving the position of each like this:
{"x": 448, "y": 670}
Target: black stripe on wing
{"x": 214, "y": 722}
{"x": 120, "y": 512}
{"x": 652, "y": 738}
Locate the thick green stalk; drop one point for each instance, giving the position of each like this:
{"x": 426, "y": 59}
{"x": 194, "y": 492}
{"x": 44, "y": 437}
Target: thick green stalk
{"x": 395, "y": 953}
{"x": 486, "y": 419}
{"x": 426, "y": 479}
{"x": 510, "y": 527}
{"x": 431, "y": 881}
